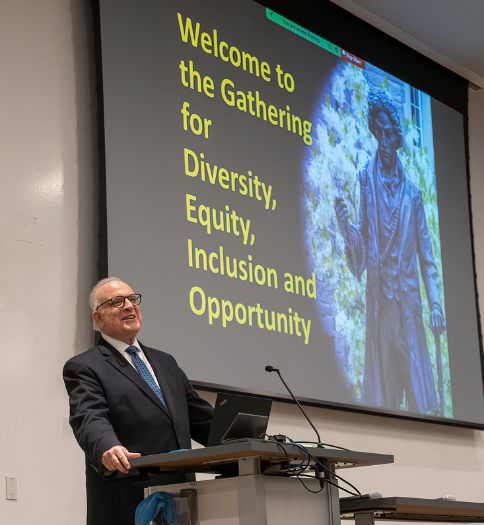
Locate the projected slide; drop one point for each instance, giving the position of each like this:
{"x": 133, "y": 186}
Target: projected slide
{"x": 278, "y": 200}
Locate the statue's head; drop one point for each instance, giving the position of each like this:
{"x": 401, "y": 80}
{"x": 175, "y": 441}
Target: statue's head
{"x": 385, "y": 126}
{"x": 380, "y": 101}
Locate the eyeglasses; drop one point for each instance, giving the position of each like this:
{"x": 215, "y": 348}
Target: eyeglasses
{"x": 118, "y": 301}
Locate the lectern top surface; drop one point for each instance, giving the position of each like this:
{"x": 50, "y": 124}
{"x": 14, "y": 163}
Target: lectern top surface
{"x": 414, "y": 509}
{"x": 213, "y": 459}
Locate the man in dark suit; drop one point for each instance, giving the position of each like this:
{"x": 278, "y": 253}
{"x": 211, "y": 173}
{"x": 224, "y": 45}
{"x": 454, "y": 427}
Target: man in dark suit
{"x": 127, "y": 400}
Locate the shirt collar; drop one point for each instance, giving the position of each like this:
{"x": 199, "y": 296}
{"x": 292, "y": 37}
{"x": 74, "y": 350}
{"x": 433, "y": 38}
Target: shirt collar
{"x": 120, "y": 346}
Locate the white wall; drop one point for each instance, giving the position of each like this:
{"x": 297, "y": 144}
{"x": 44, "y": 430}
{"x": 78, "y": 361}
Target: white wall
{"x": 48, "y": 251}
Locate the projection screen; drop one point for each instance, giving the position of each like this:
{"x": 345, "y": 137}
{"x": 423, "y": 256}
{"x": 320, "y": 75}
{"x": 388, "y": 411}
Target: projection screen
{"x": 278, "y": 200}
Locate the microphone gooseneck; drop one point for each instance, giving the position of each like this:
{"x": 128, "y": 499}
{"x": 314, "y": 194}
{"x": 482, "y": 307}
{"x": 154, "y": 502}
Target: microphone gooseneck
{"x": 270, "y": 368}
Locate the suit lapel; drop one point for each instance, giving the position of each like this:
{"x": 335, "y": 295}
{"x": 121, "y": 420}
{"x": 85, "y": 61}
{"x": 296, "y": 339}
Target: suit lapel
{"x": 117, "y": 360}
{"x": 163, "y": 380}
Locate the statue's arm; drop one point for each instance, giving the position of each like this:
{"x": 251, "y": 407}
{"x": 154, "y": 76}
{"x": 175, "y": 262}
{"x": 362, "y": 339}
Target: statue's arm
{"x": 354, "y": 235}
{"x": 428, "y": 269}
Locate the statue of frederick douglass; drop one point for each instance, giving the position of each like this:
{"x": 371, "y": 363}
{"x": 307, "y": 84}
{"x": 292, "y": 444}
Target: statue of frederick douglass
{"x": 390, "y": 239}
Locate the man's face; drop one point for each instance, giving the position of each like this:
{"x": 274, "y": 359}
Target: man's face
{"x": 120, "y": 323}
{"x": 387, "y": 139}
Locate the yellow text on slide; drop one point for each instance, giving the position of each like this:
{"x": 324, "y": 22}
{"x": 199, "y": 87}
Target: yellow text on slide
{"x": 212, "y": 44}
{"x": 212, "y": 219}
{"x": 219, "y": 262}
{"x": 247, "y": 185}
{"x": 226, "y": 312}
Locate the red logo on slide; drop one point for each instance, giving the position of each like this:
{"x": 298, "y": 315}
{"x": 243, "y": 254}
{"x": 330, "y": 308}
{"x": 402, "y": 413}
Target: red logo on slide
{"x": 353, "y": 59}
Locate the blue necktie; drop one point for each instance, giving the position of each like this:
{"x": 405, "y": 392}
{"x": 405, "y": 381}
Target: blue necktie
{"x": 144, "y": 372}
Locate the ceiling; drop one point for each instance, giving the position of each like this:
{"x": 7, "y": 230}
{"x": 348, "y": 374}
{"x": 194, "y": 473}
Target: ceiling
{"x": 449, "y": 32}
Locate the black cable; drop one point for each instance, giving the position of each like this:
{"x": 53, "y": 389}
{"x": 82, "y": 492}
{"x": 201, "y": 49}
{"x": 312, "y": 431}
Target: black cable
{"x": 306, "y": 464}
{"x": 303, "y": 465}
{"x": 299, "y": 476}
{"x": 322, "y": 465}
{"x": 334, "y": 485}
{"x": 318, "y": 462}
{"x": 299, "y": 469}
{"x": 322, "y": 445}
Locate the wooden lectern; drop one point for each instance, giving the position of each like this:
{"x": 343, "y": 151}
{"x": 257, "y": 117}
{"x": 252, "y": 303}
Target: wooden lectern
{"x": 253, "y": 487}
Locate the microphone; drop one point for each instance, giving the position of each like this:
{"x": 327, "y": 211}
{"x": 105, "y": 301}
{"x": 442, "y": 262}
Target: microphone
{"x": 270, "y": 368}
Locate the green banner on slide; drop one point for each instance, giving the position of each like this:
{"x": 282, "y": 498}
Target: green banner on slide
{"x": 303, "y": 32}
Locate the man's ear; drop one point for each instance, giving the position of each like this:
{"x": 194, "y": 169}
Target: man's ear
{"x": 96, "y": 317}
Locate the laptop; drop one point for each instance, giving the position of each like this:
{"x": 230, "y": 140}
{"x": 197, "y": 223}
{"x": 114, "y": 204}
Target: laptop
{"x": 239, "y": 418}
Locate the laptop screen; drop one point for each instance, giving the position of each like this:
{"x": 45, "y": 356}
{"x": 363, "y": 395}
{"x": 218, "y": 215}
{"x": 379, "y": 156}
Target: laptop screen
{"x": 237, "y": 417}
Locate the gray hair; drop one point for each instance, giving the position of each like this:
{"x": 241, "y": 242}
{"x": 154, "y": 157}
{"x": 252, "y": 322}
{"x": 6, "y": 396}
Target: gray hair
{"x": 93, "y": 302}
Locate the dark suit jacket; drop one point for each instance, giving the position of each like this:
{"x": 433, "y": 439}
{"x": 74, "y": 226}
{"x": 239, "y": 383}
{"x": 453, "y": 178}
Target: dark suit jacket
{"x": 110, "y": 404}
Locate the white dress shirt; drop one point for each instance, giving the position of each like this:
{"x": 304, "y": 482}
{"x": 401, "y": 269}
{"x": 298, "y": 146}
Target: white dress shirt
{"x": 121, "y": 347}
